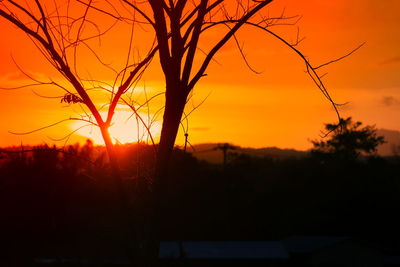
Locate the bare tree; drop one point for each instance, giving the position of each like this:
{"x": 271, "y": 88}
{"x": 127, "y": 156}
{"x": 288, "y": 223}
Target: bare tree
{"x": 179, "y": 26}
{"x": 58, "y": 29}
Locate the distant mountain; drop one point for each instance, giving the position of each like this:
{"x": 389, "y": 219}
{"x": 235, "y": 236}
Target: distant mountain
{"x": 392, "y": 145}
{"x": 210, "y": 152}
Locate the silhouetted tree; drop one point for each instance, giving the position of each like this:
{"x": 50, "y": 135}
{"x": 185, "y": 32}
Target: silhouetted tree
{"x": 57, "y": 29}
{"x": 348, "y": 140}
{"x": 178, "y": 27}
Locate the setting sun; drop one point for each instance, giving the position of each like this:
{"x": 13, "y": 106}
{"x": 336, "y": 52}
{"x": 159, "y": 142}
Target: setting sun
{"x": 124, "y": 129}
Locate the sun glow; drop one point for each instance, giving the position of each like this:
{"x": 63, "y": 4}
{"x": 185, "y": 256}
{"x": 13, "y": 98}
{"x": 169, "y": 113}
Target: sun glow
{"x": 125, "y": 128}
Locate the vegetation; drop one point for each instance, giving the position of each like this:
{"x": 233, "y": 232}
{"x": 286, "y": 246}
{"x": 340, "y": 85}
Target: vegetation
{"x": 56, "y": 205}
{"x": 348, "y": 140}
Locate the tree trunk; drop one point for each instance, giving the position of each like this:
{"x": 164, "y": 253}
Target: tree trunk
{"x": 175, "y": 104}
{"x": 123, "y": 209}
{"x": 112, "y": 157}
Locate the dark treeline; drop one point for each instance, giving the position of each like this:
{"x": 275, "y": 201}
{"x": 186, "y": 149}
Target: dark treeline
{"x": 63, "y": 203}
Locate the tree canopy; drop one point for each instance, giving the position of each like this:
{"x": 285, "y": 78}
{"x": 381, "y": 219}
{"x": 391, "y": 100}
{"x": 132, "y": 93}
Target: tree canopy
{"x": 348, "y": 140}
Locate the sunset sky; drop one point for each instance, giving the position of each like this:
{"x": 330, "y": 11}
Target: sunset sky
{"x": 279, "y": 107}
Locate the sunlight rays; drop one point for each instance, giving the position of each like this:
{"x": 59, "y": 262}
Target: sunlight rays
{"x": 125, "y": 128}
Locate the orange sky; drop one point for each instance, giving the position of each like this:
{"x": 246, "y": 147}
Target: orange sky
{"x": 280, "y": 107}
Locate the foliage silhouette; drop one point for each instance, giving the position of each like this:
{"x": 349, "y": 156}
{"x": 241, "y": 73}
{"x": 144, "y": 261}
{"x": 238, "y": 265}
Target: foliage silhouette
{"x": 348, "y": 140}
{"x": 67, "y": 209}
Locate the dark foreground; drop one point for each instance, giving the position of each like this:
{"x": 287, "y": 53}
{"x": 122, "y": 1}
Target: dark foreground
{"x": 62, "y": 210}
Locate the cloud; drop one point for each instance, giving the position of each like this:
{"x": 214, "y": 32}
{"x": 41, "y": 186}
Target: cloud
{"x": 391, "y": 60}
{"x": 19, "y": 76}
{"x": 11, "y": 77}
{"x": 390, "y": 101}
